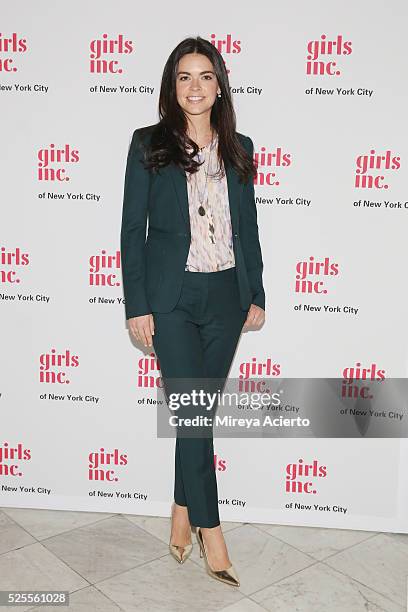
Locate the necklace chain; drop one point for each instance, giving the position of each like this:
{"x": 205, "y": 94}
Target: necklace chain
{"x": 201, "y": 209}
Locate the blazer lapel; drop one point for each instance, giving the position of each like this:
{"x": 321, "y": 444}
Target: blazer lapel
{"x": 234, "y": 193}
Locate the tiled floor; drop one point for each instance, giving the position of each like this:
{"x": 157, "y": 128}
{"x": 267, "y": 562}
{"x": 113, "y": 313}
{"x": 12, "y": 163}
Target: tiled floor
{"x": 111, "y": 562}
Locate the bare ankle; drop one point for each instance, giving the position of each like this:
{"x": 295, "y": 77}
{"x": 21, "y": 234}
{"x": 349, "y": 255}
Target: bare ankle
{"x": 180, "y": 507}
{"x": 211, "y": 530}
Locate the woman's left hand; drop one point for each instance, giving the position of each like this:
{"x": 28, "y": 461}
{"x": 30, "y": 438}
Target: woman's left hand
{"x": 255, "y": 316}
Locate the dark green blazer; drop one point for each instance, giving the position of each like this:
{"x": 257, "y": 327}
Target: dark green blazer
{"x": 153, "y": 266}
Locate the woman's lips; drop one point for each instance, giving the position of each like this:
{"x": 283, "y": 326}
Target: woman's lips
{"x": 195, "y": 99}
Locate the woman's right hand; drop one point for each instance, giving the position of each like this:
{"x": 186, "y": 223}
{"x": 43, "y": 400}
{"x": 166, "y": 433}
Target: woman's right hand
{"x": 142, "y": 328}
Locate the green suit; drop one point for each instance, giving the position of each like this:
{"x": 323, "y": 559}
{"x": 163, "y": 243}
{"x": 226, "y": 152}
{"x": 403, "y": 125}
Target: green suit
{"x": 198, "y": 316}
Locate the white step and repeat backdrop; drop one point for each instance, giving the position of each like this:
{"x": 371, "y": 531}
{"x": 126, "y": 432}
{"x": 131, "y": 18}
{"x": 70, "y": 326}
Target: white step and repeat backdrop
{"x": 321, "y": 89}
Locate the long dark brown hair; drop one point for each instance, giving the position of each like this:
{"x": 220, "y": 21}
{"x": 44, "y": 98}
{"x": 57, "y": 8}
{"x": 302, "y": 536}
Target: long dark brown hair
{"x": 169, "y": 138}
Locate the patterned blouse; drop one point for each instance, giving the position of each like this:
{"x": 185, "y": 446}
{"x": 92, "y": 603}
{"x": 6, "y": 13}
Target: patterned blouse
{"x": 211, "y": 247}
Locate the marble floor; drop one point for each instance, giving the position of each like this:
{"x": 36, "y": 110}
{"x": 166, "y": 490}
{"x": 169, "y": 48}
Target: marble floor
{"x": 111, "y": 562}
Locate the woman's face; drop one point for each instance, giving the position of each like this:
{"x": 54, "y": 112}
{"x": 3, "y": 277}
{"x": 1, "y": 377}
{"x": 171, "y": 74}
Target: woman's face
{"x": 196, "y": 84}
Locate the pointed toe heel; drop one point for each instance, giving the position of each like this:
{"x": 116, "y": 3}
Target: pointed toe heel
{"x": 228, "y": 575}
{"x": 180, "y": 553}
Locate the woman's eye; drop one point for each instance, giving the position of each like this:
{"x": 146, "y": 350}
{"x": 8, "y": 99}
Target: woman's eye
{"x": 206, "y": 76}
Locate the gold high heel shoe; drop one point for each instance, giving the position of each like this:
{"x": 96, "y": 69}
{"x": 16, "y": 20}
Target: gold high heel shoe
{"x": 229, "y": 575}
{"x": 180, "y": 553}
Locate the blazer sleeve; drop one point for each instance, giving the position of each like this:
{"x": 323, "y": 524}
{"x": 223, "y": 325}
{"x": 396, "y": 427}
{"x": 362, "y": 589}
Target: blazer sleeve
{"x": 250, "y": 237}
{"x": 133, "y": 231}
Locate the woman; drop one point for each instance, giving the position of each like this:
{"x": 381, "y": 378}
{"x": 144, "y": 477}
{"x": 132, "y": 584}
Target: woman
{"x": 196, "y": 281}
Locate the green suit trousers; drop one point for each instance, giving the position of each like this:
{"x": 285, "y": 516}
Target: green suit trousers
{"x": 197, "y": 340}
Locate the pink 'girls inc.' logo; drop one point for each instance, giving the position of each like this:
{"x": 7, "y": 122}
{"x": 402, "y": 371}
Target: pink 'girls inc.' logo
{"x": 9, "y": 262}
{"x": 101, "y": 51}
{"x": 148, "y": 375}
{"x": 353, "y": 377}
{"x": 102, "y": 465}
{"x": 252, "y": 374}
{"x": 101, "y": 269}
{"x": 10, "y": 458}
{"x": 369, "y": 171}
{"x": 321, "y": 269}
{"x": 9, "y": 46}
{"x": 301, "y": 477}
{"x": 321, "y": 55}
{"x": 54, "y": 366}
{"x": 268, "y": 162}
{"x": 50, "y": 160}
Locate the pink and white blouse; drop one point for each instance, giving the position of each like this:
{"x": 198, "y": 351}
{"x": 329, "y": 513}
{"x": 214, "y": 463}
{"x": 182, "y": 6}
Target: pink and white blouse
{"x": 211, "y": 235}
